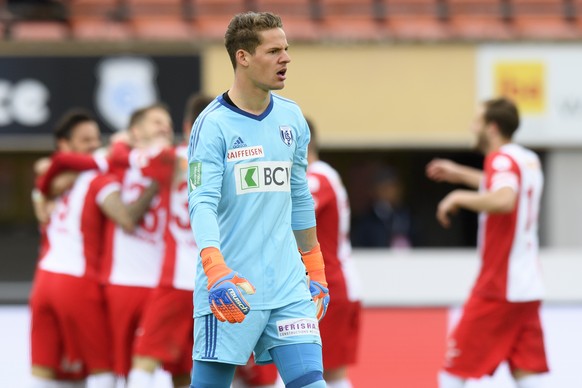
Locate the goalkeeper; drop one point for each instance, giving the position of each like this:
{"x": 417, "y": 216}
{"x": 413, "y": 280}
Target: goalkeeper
{"x": 253, "y": 219}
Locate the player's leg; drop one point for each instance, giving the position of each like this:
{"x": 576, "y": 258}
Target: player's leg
{"x": 337, "y": 378}
{"x": 125, "y": 306}
{"x": 300, "y": 365}
{"x": 447, "y": 380}
{"x": 45, "y": 339}
{"x": 339, "y": 332}
{"x": 160, "y": 344}
{"x": 252, "y": 375}
{"x": 224, "y": 343}
{"x": 483, "y": 338}
{"x": 206, "y": 374}
{"x": 534, "y": 380}
{"x": 142, "y": 372}
{"x": 291, "y": 339}
{"x": 528, "y": 360}
{"x": 86, "y": 329}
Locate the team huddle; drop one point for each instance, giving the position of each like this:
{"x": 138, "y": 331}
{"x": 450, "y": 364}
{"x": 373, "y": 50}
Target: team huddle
{"x": 243, "y": 215}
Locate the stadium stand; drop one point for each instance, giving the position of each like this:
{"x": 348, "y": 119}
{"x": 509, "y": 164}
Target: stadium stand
{"x": 307, "y": 20}
{"x": 479, "y": 19}
{"x": 98, "y": 20}
{"x": 301, "y": 17}
{"x": 159, "y": 19}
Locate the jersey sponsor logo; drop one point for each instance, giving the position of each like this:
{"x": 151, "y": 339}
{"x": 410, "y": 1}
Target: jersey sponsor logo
{"x": 286, "y": 134}
{"x": 297, "y": 326}
{"x": 195, "y": 176}
{"x": 239, "y": 143}
{"x": 244, "y": 153}
{"x": 262, "y": 177}
{"x": 241, "y": 306}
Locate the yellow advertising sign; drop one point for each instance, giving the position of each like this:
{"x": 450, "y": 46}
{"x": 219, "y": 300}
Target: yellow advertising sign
{"x": 524, "y": 82}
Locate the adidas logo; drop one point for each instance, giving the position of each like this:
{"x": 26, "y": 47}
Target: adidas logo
{"x": 239, "y": 143}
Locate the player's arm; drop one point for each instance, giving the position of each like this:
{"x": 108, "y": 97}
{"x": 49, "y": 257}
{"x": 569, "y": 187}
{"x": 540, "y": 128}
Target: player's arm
{"x": 444, "y": 170}
{"x": 205, "y": 173}
{"x": 303, "y": 224}
{"x": 502, "y": 200}
{"x": 41, "y": 205}
{"x": 315, "y": 267}
{"x": 127, "y": 216}
{"x": 65, "y": 162}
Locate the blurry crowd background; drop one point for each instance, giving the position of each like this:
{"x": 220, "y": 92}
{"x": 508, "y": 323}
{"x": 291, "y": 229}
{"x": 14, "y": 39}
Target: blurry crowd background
{"x": 392, "y": 84}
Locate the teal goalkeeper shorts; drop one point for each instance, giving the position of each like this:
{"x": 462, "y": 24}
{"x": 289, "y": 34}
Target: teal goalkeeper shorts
{"x": 233, "y": 343}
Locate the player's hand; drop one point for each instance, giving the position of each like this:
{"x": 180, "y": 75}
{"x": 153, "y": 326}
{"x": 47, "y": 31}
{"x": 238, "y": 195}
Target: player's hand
{"x": 226, "y": 300}
{"x": 158, "y": 164}
{"x": 442, "y": 170}
{"x": 315, "y": 267}
{"x": 447, "y": 206}
{"x": 320, "y": 296}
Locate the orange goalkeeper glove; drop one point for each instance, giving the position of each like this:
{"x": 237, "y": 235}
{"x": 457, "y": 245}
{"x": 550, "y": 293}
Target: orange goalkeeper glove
{"x": 226, "y": 300}
{"x": 315, "y": 267}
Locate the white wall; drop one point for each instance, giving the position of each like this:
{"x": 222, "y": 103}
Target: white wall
{"x": 563, "y": 191}
{"x": 433, "y": 277}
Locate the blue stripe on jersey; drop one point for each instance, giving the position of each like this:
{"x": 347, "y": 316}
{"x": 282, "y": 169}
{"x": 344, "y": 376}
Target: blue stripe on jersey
{"x": 211, "y": 329}
{"x": 283, "y": 99}
{"x": 198, "y": 124}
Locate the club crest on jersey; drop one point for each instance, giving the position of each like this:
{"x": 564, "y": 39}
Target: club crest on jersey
{"x": 286, "y": 134}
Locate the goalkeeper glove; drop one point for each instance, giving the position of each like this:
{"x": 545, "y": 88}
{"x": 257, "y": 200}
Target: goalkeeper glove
{"x": 226, "y": 300}
{"x": 315, "y": 267}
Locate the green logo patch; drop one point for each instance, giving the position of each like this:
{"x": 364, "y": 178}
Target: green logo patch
{"x": 249, "y": 177}
{"x": 194, "y": 176}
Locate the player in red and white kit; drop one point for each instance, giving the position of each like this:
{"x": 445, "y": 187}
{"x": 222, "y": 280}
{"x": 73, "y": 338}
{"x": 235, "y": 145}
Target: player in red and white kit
{"x": 69, "y": 336}
{"x": 165, "y": 334}
{"x": 500, "y": 320}
{"x": 134, "y": 261}
{"x": 341, "y": 327}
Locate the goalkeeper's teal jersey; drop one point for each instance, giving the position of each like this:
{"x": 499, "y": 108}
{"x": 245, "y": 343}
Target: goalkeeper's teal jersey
{"x": 247, "y": 193}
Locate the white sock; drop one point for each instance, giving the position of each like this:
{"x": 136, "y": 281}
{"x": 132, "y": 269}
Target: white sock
{"x": 101, "y": 380}
{"x": 343, "y": 383}
{"x": 530, "y": 381}
{"x": 447, "y": 380}
{"x": 71, "y": 384}
{"x": 139, "y": 378}
{"x": 37, "y": 382}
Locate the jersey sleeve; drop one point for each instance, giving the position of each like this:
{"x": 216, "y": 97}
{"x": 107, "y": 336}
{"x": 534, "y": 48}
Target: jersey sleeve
{"x": 320, "y": 190}
{"x": 302, "y": 212}
{"x": 62, "y": 162}
{"x": 206, "y": 152}
{"x": 501, "y": 171}
{"x": 104, "y": 185}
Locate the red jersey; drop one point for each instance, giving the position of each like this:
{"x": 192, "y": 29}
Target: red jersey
{"x": 179, "y": 270}
{"x": 332, "y": 213}
{"x": 136, "y": 259}
{"x": 74, "y": 235}
{"x": 508, "y": 242}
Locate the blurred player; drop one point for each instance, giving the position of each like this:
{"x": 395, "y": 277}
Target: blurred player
{"x": 69, "y": 336}
{"x": 165, "y": 333}
{"x": 250, "y": 202}
{"x": 500, "y": 320}
{"x": 134, "y": 262}
{"x": 340, "y": 329}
